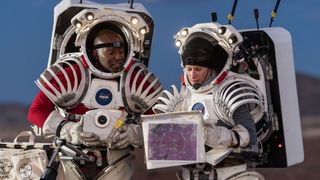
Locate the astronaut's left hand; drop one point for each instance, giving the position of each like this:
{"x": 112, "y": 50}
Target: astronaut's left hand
{"x": 128, "y": 134}
{"x": 219, "y": 135}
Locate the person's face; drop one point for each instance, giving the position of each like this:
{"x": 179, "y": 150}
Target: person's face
{"x": 110, "y": 58}
{"x": 196, "y": 74}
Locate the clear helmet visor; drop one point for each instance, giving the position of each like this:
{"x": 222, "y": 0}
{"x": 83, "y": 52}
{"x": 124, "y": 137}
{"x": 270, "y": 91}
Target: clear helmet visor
{"x": 107, "y": 49}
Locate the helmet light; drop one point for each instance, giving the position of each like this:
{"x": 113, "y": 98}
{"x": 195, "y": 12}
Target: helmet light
{"x": 222, "y": 30}
{"x": 233, "y": 39}
{"x": 178, "y": 43}
{"x": 78, "y": 24}
{"x": 89, "y": 16}
{"x": 143, "y": 30}
{"x": 134, "y": 20}
{"x": 184, "y": 32}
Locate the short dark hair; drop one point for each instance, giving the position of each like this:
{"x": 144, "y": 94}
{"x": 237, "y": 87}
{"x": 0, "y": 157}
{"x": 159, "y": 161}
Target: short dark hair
{"x": 202, "y": 52}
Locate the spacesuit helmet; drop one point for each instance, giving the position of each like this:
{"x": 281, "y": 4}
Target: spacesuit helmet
{"x": 208, "y": 44}
{"x": 130, "y": 34}
{"x": 203, "y": 50}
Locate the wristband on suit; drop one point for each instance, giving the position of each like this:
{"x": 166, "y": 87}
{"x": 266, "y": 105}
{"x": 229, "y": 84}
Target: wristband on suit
{"x": 236, "y": 134}
{"x": 61, "y": 124}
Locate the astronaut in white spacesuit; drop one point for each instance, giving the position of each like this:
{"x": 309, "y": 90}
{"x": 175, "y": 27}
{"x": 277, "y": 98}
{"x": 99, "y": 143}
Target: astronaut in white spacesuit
{"x": 94, "y": 97}
{"x": 206, "y": 60}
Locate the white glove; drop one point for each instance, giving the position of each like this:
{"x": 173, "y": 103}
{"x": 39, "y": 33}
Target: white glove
{"x": 71, "y": 131}
{"x": 128, "y": 134}
{"x": 219, "y": 135}
{"x": 169, "y": 101}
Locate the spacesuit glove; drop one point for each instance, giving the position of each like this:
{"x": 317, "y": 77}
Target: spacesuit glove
{"x": 218, "y": 136}
{"x": 129, "y": 134}
{"x": 73, "y": 133}
{"x": 89, "y": 139}
{"x": 169, "y": 101}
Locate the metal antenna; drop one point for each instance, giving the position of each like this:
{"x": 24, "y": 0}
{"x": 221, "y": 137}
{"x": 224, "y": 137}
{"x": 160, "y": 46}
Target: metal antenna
{"x": 214, "y": 17}
{"x": 131, "y": 4}
{"x": 274, "y": 12}
{"x": 231, "y": 15}
{"x": 256, "y": 16}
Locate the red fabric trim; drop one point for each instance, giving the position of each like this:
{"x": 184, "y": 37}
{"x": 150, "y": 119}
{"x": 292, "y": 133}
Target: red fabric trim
{"x": 40, "y": 109}
{"x": 221, "y": 77}
{"x": 182, "y": 80}
{"x": 84, "y": 62}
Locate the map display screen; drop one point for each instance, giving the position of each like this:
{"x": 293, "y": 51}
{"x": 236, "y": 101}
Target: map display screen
{"x": 173, "y": 139}
{"x": 172, "y": 142}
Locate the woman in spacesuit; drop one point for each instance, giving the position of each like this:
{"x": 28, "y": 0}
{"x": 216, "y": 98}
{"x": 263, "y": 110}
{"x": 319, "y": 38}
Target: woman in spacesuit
{"x": 204, "y": 61}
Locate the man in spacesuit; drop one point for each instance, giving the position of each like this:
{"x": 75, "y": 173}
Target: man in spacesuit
{"x": 83, "y": 93}
{"x": 109, "y": 58}
{"x": 204, "y": 61}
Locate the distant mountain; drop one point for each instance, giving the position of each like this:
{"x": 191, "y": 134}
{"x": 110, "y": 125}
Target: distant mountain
{"x": 308, "y": 94}
{"x": 13, "y": 119}
{"x": 13, "y": 114}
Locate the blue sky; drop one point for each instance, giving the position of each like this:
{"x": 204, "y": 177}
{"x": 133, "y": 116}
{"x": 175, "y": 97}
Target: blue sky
{"x": 26, "y": 27}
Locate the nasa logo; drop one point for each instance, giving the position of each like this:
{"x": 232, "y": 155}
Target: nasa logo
{"x": 25, "y": 170}
{"x": 5, "y": 168}
{"x": 199, "y": 107}
{"x": 104, "y": 97}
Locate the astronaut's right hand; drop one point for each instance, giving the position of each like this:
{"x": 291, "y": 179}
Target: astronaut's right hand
{"x": 169, "y": 101}
{"x": 72, "y": 132}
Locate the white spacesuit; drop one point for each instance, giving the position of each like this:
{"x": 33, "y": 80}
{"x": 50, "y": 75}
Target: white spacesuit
{"x": 94, "y": 96}
{"x": 235, "y": 99}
